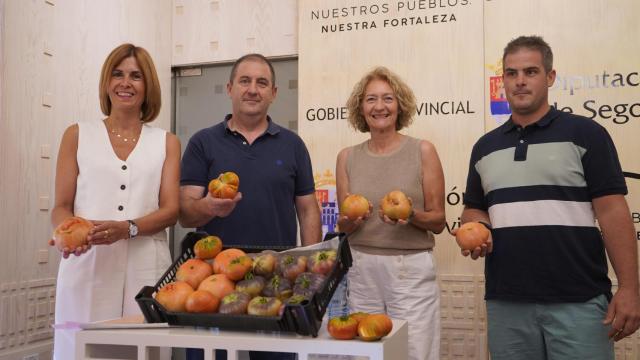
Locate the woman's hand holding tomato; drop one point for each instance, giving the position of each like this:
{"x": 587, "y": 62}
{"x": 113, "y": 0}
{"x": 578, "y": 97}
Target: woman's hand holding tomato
{"x": 71, "y": 236}
{"x": 354, "y": 211}
{"x": 106, "y": 232}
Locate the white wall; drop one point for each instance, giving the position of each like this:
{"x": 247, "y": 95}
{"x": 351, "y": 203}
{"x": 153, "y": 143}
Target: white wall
{"x": 52, "y": 55}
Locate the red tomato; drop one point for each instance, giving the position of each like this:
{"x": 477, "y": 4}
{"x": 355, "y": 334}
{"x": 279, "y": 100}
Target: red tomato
{"x": 374, "y": 327}
{"x": 343, "y": 327}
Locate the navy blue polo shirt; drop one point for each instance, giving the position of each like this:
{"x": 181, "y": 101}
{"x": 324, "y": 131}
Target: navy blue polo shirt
{"x": 537, "y": 184}
{"x": 273, "y": 171}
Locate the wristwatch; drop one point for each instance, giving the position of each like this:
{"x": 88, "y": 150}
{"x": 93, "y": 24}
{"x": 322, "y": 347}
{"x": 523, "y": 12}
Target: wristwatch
{"x": 133, "y": 229}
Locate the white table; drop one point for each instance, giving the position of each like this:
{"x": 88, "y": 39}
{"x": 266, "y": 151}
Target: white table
{"x": 98, "y": 344}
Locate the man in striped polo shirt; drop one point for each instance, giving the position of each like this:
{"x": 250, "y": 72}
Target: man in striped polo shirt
{"x": 540, "y": 181}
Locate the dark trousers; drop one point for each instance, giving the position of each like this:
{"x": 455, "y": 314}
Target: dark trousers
{"x": 198, "y": 354}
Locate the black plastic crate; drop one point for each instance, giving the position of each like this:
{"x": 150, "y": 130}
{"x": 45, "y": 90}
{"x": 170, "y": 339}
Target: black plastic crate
{"x": 304, "y": 319}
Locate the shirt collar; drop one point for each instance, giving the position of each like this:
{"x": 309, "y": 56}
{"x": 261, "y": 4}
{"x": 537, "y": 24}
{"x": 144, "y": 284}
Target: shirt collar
{"x": 543, "y": 122}
{"x": 272, "y": 127}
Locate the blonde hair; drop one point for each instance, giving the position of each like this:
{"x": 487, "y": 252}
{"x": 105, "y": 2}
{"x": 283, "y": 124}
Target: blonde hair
{"x": 402, "y": 92}
{"x": 152, "y": 99}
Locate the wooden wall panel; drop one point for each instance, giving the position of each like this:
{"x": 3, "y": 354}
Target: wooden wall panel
{"x": 207, "y": 31}
{"x": 456, "y": 61}
{"x": 52, "y": 53}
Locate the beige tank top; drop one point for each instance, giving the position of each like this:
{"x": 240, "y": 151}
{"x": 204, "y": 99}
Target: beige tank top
{"x": 373, "y": 176}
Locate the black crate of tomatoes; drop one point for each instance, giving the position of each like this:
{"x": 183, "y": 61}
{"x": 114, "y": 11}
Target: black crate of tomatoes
{"x": 253, "y": 288}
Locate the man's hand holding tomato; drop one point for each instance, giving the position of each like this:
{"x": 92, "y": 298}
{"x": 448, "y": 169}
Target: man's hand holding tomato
{"x": 479, "y": 251}
{"x": 217, "y": 207}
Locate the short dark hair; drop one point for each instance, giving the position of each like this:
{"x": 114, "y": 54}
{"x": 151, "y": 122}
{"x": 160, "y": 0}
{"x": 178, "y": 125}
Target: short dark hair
{"x": 533, "y": 42}
{"x": 253, "y": 56}
{"x": 152, "y": 99}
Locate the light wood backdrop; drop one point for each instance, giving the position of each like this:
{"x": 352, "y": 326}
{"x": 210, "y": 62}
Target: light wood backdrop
{"x": 447, "y": 51}
{"x": 52, "y": 53}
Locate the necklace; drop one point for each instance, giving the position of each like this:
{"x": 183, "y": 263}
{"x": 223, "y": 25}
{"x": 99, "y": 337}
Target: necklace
{"x": 113, "y": 131}
{"x": 119, "y": 136}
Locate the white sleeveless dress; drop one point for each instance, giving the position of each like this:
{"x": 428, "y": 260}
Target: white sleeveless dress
{"x": 102, "y": 283}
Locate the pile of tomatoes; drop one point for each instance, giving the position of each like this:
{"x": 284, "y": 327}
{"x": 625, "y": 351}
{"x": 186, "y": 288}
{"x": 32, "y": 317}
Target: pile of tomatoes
{"x": 233, "y": 282}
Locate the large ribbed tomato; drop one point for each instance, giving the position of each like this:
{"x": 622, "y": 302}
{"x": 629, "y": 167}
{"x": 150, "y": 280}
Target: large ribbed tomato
{"x": 396, "y": 205}
{"x": 225, "y": 186}
{"x": 343, "y": 327}
{"x": 71, "y": 233}
{"x": 374, "y": 327}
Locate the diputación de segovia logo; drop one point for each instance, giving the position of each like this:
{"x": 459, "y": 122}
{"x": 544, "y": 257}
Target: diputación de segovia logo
{"x": 498, "y": 104}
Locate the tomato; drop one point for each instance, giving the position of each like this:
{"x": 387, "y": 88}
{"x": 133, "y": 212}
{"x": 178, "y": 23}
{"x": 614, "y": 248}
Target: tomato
{"x": 396, "y": 205}
{"x": 193, "y": 271}
{"x": 173, "y": 296}
{"x": 264, "y": 265}
{"x": 252, "y": 285}
{"x": 308, "y": 284}
{"x": 359, "y": 315}
{"x": 322, "y": 262}
{"x": 207, "y": 247}
{"x": 225, "y": 186}
{"x": 223, "y": 259}
{"x": 219, "y": 285}
{"x": 354, "y": 206}
{"x": 201, "y": 301}
{"x": 343, "y": 327}
{"x": 290, "y": 266}
{"x": 374, "y": 327}
{"x": 264, "y": 306}
{"x": 472, "y": 235}
{"x": 234, "y": 303}
{"x": 278, "y": 287}
{"x": 71, "y": 233}
{"x": 238, "y": 268}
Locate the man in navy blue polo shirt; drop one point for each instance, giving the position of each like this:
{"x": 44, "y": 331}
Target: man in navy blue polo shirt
{"x": 273, "y": 164}
{"x": 540, "y": 181}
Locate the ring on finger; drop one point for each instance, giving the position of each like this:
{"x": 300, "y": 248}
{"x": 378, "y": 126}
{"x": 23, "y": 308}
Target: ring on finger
{"x": 106, "y": 233}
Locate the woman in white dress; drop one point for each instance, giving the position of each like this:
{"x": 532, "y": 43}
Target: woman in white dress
{"x": 123, "y": 176}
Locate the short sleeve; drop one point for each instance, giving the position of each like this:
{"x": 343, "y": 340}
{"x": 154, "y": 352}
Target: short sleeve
{"x": 304, "y": 174}
{"x": 474, "y": 196}
{"x": 601, "y": 165}
{"x": 195, "y": 165}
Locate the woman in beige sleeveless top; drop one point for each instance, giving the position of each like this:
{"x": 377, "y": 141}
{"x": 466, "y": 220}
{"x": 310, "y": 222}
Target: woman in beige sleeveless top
{"x": 123, "y": 176}
{"x": 393, "y": 270}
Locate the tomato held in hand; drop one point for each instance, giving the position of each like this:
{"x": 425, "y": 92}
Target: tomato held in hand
{"x": 71, "y": 233}
{"x": 472, "y": 235}
{"x": 225, "y": 186}
{"x": 354, "y": 206}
